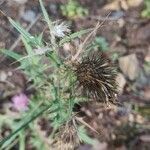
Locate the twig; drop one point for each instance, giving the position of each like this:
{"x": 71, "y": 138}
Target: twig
{"x": 100, "y": 18}
{"x": 28, "y": 28}
{"x": 81, "y": 47}
{"x": 86, "y": 124}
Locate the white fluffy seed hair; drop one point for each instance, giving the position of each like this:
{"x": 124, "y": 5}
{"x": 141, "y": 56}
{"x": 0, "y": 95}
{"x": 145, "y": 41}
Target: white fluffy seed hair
{"x": 60, "y": 29}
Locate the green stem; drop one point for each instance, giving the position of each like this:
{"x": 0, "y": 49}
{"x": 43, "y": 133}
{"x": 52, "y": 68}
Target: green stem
{"x": 55, "y": 60}
{"x": 22, "y": 140}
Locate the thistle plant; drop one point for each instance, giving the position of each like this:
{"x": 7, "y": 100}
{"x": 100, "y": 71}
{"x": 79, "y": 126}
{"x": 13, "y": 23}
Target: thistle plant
{"x": 57, "y": 85}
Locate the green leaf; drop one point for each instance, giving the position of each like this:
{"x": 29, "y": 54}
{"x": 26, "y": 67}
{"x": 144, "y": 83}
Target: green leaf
{"x": 46, "y": 16}
{"x": 11, "y": 54}
{"x": 101, "y": 43}
{"x": 28, "y": 47}
{"x": 20, "y": 29}
{"x": 24, "y": 33}
{"x": 73, "y": 36}
{"x": 84, "y": 137}
{"x": 39, "y": 38}
{"x": 9, "y": 141}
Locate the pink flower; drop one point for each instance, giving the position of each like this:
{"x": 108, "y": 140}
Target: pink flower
{"x": 20, "y": 102}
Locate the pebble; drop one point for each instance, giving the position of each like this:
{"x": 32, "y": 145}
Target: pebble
{"x": 121, "y": 82}
{"x": 145, "y": 138}
{"x": 134, "y": 3}
{"x": 129, "y": 65}
{"x": 146, "y": 94}
{"x": 117, "y": 15}
{"x": 3, "y": 76}
{"x": 53, "y": 8}
{"x": 29, "y": 16}
{"x": 147, "y": 57}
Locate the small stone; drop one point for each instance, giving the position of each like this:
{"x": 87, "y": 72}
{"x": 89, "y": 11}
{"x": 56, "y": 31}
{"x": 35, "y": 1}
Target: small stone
{"x": 53, "y": 8}
{"x": 67, "y": 46}
{"x": 131, "y": 118}
{"x": 147, "y": 94}
{"x": 2, "y": 44}
{"x": 121, "y": 22}
{"x": 145, "y": 138}
{"x": 129, "y": 65}
{"x": 112, "y": 6}
{"x": 3, "y": 76}
{"x": 147, "y": 57}
{"x": 139, "y": 119}
{"x": 85, "y": 147}
{"x": 29, "y": 15}
{"x": 100, "y": 145}
{"x": 10, "y": 73}
{"x": 121, "y": 82}
{"x": 134, "y": 3}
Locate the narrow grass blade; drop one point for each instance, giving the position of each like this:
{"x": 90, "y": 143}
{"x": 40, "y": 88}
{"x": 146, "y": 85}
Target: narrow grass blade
{"x": 20, "y": 29}
{"x": 45, "y": 14}
{"x": 24, "y": 33}
{"x": 84, "y": 137}
{"x": 11, "y": 54}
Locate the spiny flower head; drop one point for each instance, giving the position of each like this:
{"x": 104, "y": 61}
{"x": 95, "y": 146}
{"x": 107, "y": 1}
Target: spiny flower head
{"x": 96, "y": 75}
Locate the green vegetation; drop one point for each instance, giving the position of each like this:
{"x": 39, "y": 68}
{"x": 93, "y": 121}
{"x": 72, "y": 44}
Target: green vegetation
{"x": 101, "y": 43}
{"x": 146, "y": 11}
{"x": 73, "y": 10}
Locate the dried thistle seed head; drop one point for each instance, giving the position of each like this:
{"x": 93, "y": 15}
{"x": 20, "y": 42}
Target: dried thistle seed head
{"x": 67, "y": 138}
{"x": 96, "y": 75}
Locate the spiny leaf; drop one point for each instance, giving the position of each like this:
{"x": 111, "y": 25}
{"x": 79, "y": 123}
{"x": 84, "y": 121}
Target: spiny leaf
{"x": 46, "y": 16}
{"x": 83, "y": 136}
{"x": 24, "y": 33}
{"x": 73, "y": 36}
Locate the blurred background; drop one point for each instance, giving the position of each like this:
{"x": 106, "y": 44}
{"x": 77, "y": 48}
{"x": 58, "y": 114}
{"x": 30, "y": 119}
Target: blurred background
{"x": 124, "y": 36}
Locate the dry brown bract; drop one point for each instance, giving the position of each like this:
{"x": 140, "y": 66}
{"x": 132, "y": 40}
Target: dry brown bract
{"x": 96, "y": 75}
